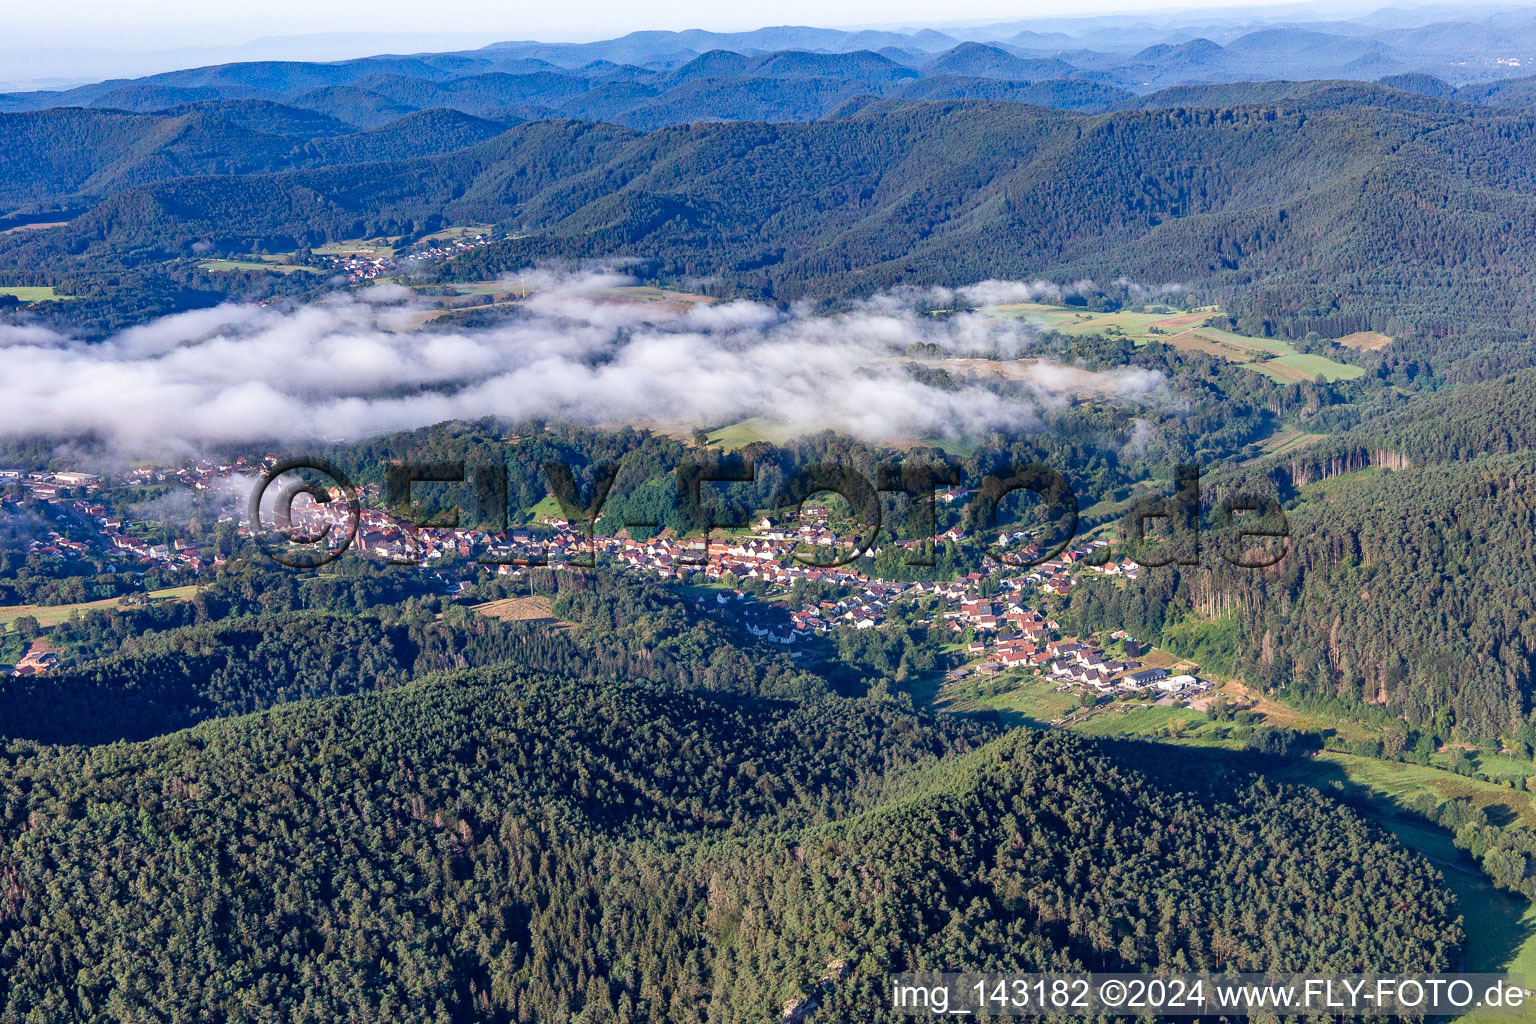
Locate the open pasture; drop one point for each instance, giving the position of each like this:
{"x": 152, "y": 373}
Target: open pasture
{"x": 1366, "y": 341}
{"x": 228, "y": 266}
{"x": 36, "y": 226}
{"x": 493, "y": 288}
{"x": 458, "y": 231}
{"x": 1276, "y": 358}
{"x": 749, "y": 431}
{"x": 356, "y": 247}
{"x": 1038, "y": 313}
{"x": 27, "y": 293}
{"x": 1303, "y": 366}
{"x": 50, "y": 615}
{"x": 536, "y": 608}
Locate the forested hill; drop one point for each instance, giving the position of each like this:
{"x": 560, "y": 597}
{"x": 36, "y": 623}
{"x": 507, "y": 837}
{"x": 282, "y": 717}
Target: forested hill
{"x": 73, "y": 156}
{"x": 626, "y": 819}
{"x": 1353, "y": 207}
{"x": 1408, "y": 582}
{"x": 492, "y": 846}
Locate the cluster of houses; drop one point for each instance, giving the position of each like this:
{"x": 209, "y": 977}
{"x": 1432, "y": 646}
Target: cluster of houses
{"x": 558, "y": 543}
{"x": 100, "y": 531}
{"x": 1009, "y": 630}
{"x": 1025, "y": 640}
{"x": 1020, "y": 634}
{"x": 764, "y": 556}
{"x": 359, "y": 267}
{"x": 1005, "y": 629}
{"x": 1054, "y": 576}
{"x": 179, "y": 554}
{"x": 447, "y": 249}
{"x": 47, "y": 486}
{"x": 201, "y": 475}
{"x": 1068, "y": 661}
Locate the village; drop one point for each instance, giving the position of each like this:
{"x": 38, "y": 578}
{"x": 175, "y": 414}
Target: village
{"x": 366, "y": 264}
{"x": 105, "y": 533}
{"x": 1009, "y": 629}
{"x": 997, "y": 617}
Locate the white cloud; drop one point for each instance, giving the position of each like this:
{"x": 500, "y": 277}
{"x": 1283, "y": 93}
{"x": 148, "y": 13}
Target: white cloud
{"x": 349, "y": 367}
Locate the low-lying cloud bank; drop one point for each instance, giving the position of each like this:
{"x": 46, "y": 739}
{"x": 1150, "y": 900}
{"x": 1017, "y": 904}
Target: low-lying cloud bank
{"x": 352, "y": 366}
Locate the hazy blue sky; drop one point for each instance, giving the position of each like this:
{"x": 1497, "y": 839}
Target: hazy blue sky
{"x": 166, "y": 24}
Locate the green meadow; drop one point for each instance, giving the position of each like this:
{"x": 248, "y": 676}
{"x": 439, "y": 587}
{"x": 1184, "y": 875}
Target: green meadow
{"x": 1275, "y": 358}
{"x": 218, "y": 266}
{"x": 28, "y": 293}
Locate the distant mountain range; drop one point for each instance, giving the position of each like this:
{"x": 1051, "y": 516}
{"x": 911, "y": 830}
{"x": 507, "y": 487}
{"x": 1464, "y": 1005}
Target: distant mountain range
{"x": 661, "y": 78}
{"x": 266, "y": 118}
{"x": 836, "y": 163}
{"x": 1282, "y": 197}
{"x": 648, "y": 79}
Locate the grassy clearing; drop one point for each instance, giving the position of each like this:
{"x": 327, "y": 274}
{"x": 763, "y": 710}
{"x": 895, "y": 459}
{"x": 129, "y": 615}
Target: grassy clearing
{"x": 546, "y": 506}
{"x": 1248, "y": 347}
{"x": 356, "y": 247}
{"x": 1278, "y": 372}
{"x": 1273, "y": 357}
{"x": 27, "y": 293}
{"x": 1107, "y": 507}
{"x": 1134, "y": 720}
{"x": 453, "y": 234}
{"x": 1282, "y": 441}
{"x": 1325, "y": 490}
{"x": 956, "y": 448}
{"x": 1133, "y": 325}
{"x": 1273, "y": 712}
{"x": 1051, "y": 317}
{"x": 675, "y": 300}
{"x": 1184, "y": 321}
{"x": 1034, "y": 702}
{"x": 1316, "y": 365}
{"x": 738, "y": 435}
{"x": 1195, "y": 342}
{"x": 226, "y": 266}
{"x": 1156, "y": 657}
{"x": 519, "y": 609}
{"x": 1499, "y": 766}
{"x": 1077, "y": 322}
{"x": 1302, "y": 366}
{"x": 1365, "y": 341}
{"x": 1289, "y": 440}
{"x": 1394, "y": 785}
{"x": 40, "y": 225}
{"x": 50, "y": 615}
